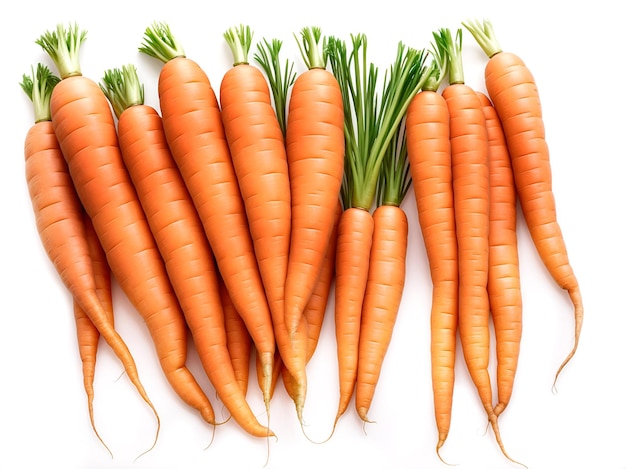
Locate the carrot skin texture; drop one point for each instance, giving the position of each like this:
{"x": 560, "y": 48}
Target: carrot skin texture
{"x": 188, "y": 258}
{"x": 354, "y": 242}
{"x": 470, "y": 180}
{"x": 503, "y": 283}
{"x": 84, "y": 124}
{"x": 195, "y": 134}
{"x": 383, "y": 294}
{"x": 315, "y": 154}
{"x": 428, "y": 147}
{"x": 514, "y": 94}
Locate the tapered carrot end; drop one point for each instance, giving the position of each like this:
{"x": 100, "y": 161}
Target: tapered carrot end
{"x": 440, "y": 442}
{"x": 578, "y": 323}
{"x": 362, "y": 413}
{"x": 496, "y": 430}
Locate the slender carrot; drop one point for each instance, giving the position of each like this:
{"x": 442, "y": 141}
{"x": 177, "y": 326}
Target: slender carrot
{"x": 428, "y": 147}
{"x": 369, "y": 129}
{"x": 59, "y": 218}
{"x": 193, "y": 127}
{"x": 514, "y": 94}
{"x": 503, "y": 284}
{"x": 315, "y": 153}
{"x": 179, "y": 235}
{"x": 84, "y": 124}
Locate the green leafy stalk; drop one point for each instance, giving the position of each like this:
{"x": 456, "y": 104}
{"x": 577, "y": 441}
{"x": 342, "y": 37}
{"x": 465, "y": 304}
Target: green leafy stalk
{"x": 453, "y": 47}
{"x": 313, "y": 47}
{"x": 239, "y": 40}
{"x": 484, "y": 35}
{"x": 122, "y": 88}
{"x": 280, "y": 81}
{"x": 63, "y": 45}
{"x": 395, "y": 175}
{"x": 439, "y": 64}
{"x": 38, "y": 87}
{"x": 369, "y": 128}
{"x": 160, "y": 43}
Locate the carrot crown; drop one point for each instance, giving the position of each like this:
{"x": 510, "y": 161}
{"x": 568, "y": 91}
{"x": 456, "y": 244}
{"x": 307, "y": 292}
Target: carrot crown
{"x": 453, "y": 47}
{"x": 160, "y": 43}
{"x": 484, "y": 35}
{"x": 122, "y": 88}
{"x": 239, "y": 40}
{"x": 279, "y": 81}
{"x": 38, "y": 87}
{"x": 439, "y": 64}
{"x": 63, "y": 45}
{"x": 370, "y": 124}
{"x": 395, "y": 175}
{"x": 313, "y": 47}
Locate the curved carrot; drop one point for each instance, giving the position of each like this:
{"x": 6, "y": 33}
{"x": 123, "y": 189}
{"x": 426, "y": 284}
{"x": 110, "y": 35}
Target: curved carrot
{"x": 428, "y": 147}
{"x": 514, "y": 94}
{"x": 315, "y": 152}
{"x": 59, "y": 219}
{"x": 179, "y": 235}
{"x": 193, "y": 127}
{"x": 503, "y": 285}
{"x": 86, "y": 333}
{"x": 85, "y": 126}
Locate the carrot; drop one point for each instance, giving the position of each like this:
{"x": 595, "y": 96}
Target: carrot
{"x": 428, "y": 147}
{"x": 179, "y": 235}
{"x": 59, "y": 219}
{"x": 315, "y": 153}
{"x": 84, "y": 125}
{"x": 195, "y": 134}
{"x": 386, "y": 272}
{"x": 514, "y": 94}
{"x": 367, "y": 136}
{"x": 86, "y": 332}
{"x": 238, "y": 339}
{"x": 503, "y": 283}
{"x": 470, "y": 186}
{"x": 291, "y": 345}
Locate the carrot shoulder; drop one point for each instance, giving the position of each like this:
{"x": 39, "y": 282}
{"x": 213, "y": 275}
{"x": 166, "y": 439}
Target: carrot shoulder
{"x": 195, "y": 134}
{"x": 179, "y": 235}
{"x": 84, "y": 124}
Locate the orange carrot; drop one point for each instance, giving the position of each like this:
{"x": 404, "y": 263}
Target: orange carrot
{"x": 514, "y": 94}
{"x": 428, "y": 147}
{"x": 193, "y": 127}
{"x": 85, "y": 127}
{"x": 59, "y": 219}
{"x": 369, "y": 128}
{"x": 179, "y": 235}
{"x": 315, "y": 152}
{"x": 503, "y": 284}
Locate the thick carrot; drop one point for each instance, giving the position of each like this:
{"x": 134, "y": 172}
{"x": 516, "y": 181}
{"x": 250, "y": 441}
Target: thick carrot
{"x": 386, "y": 272}
{"x": 503, "y": 283}
{"x": 315, "y": 153}
{"x": 369, "y": 128}
{"x": 179, "y": 235}
{"x": 514, "y": 94}
{"x": 470, "y": 185}
{"x": 428, "y": 147}
{"x": 193, "y": 127}
{"x": 59, "y": 219}
{"x": 84, "y": 124}
{"x": 86, "y": 332}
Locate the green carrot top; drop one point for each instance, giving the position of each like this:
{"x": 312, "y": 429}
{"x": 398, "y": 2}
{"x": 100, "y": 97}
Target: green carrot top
{"x": 122, "y": 88}
{"x": 239, "y": 40}
{"x": 63, "y": 45}
{"x": 312, "y": 47}
{"x": 38, "y": 87}
{"x": 484, "y": 35}
{"x": 160, "y": 43}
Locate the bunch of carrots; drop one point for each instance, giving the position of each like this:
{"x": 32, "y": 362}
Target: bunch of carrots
{"x": 233, "y": 213}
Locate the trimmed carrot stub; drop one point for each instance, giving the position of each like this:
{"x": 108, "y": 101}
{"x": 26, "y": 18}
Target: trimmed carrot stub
{"x": 514, "y": 94}
{"x": 386, "y": 273}
{"x": 428, "y": 148}
{"x": 85, "y": 126}
{"x": 195, "y": 134}
{"x": 179, "y": 235}
{"x": 60, "y": 223}
{"x": 369, "y": 129}
{"x": 503, "y": 284}
{"x": 315, "y": 154}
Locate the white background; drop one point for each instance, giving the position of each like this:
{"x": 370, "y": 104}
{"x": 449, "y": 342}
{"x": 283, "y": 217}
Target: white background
{"x": 576, "y": 55}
